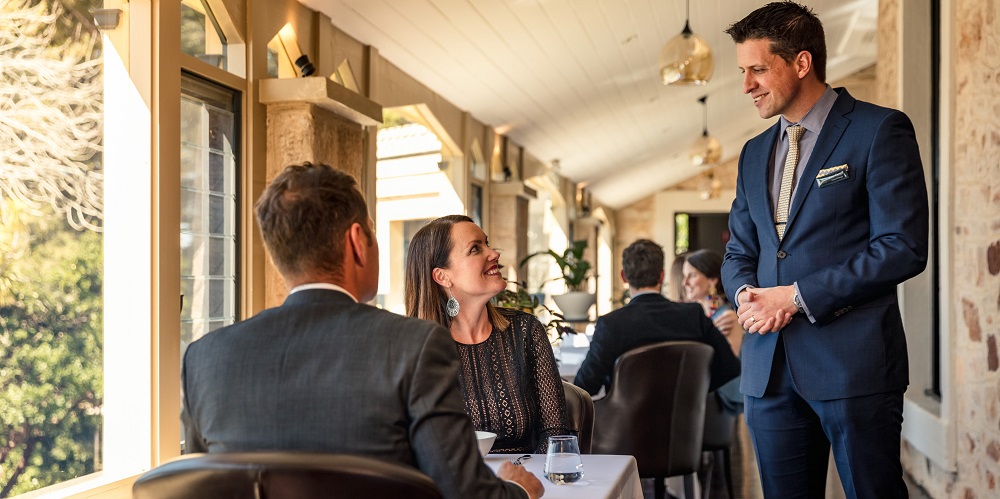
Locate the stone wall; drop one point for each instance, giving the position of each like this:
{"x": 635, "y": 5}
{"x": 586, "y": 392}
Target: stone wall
{"x": 888, "y": 54}
{"x": 633, "y": 222}
{"x": 975, "y": 258}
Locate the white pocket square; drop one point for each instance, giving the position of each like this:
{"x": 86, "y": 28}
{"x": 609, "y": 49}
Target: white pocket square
{"x": 832, "y": 175}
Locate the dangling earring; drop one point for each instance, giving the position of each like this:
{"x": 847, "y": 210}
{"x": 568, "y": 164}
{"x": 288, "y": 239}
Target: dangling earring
{"x": 452, "y": 307}
{"x": 712, "y": 291}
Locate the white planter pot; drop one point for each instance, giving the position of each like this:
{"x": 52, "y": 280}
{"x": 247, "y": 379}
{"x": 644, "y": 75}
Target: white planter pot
{"x": 575, "y": 305}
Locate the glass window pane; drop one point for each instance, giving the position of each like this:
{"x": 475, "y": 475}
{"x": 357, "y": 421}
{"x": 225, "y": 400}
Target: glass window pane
{"x": 193, "y": 212}
{"x": 209, "y": 204}
{"x": 191, "y": 116}
{"x": 51, "y": 245}
{"x": 220, "y": 130}
{"x": 217, "y": 297}
{"x": 200, "y": 33}
{"x": 192, "y": 166}
{"x": 217, "y": 257}
{"x": 217, "y": 172}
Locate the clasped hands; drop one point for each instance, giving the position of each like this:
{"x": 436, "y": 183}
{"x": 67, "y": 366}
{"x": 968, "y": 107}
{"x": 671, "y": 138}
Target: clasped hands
{"x": 766, "y": 310}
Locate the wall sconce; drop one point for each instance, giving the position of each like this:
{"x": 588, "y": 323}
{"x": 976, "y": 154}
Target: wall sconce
{"x": 305, "y": 67}
{"x": 106, "y": 19}
{"x": 290, "y": 43}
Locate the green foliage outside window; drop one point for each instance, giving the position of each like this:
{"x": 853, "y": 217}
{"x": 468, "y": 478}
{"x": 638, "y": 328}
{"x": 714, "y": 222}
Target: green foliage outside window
{"x": 51, "y": 369}
{"x": 51, "y": 256}
{"x": 682, "y": 239}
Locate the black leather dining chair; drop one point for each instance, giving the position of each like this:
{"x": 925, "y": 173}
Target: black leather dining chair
{"x": 655, "y": 410}
{"x": 281, "y": 475}
{"x": 580, "y": 409}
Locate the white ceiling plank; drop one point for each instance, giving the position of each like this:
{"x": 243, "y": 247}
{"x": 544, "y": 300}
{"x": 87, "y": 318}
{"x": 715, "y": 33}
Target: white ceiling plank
{"x": 557, "y": 78}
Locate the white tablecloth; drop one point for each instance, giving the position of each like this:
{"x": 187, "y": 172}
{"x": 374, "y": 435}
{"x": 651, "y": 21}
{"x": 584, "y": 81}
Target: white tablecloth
{"x": 570, "y": 359}
{"x": 604, "y": 476}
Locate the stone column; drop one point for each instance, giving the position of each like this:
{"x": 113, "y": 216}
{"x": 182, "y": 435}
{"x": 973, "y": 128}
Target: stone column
{"x": 313, "y": 119}
{"x": 509, "y": 223}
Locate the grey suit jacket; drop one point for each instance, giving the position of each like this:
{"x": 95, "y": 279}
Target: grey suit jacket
{"x": 322, "y": 373}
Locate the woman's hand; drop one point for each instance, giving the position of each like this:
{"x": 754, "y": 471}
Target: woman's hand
{"x": 728, "y": 322}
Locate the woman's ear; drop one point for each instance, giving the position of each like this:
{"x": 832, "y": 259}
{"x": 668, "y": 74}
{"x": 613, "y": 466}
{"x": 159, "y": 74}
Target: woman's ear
{"x": 440, "y": 276}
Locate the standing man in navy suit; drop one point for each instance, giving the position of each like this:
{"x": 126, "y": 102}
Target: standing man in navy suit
{"x": 830, "y": 216}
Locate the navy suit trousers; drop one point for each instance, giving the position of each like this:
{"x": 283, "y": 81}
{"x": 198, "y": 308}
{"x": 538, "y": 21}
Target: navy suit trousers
{"x": 792, "y": 438}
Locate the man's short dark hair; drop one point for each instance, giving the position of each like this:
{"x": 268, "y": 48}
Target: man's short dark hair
{"x": 790, "y": 27}
{"x": 304, "y": 214}
{"x": 642, "y": 263}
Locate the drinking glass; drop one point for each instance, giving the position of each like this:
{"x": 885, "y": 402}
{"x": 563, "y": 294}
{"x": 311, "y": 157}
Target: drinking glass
{"x": 562, "y": 461}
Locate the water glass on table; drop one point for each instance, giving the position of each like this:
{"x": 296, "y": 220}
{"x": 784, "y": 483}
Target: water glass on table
{"x": 562, "y": 461}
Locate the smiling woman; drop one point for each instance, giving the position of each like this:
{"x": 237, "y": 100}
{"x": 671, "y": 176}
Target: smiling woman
{"x": 509, "y": 376}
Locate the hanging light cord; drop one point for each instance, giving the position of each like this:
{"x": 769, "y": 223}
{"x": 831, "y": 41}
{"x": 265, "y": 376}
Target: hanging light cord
{"x": 687, "y": 20}
{"x": 704, "y": 105}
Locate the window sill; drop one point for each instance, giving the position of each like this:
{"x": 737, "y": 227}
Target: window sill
{"x": 95, "y": 485}
{"x": 930, "y": 434}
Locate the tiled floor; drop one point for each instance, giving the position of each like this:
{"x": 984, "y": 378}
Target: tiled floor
{"x": 746, "y": 483}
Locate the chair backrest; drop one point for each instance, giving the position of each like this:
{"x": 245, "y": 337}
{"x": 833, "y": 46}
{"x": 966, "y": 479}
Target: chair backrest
{"x": 279, "y": 475}
{"x": 720, "y": 426}
{"x": 580, "y": 409}
{"x": 655, "y": 409}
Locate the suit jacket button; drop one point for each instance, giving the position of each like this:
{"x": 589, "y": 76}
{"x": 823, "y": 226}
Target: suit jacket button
{"x": 782, "y": 254}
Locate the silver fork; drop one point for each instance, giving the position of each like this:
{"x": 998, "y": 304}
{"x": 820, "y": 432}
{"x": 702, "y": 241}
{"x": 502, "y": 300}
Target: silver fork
{"x": 519, "y": 460}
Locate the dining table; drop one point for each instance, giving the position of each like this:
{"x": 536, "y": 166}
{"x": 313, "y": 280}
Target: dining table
{"x": 569, "y": 359}
{"x": 605, "y": 476}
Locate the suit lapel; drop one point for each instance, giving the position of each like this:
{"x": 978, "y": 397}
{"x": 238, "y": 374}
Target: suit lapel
{"x": 760, "y": 188}
{"x": 833, "y": 129}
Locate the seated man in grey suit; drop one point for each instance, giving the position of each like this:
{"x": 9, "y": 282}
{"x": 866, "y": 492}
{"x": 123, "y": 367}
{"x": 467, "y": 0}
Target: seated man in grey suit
{"x": 325, "y": 373}
{"x": 650, "y": 318}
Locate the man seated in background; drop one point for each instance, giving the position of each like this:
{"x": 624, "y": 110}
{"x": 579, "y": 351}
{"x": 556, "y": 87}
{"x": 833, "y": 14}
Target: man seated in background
{"x": 650, "y": 318}
{"x": 325, "y": 373}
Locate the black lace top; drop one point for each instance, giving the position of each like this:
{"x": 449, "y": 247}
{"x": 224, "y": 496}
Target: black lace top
{"x": 512, "y": 386}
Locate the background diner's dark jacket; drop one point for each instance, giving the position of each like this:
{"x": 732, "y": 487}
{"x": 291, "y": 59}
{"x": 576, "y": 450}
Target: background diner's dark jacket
{"x": 652, "y": 318}
{"x": 323, "y": 373}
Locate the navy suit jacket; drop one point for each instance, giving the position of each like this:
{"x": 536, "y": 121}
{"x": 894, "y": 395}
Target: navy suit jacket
{"x": 847, "y": 244}
{"x": 647, "y": 319}
{"x": 325, "y": 374}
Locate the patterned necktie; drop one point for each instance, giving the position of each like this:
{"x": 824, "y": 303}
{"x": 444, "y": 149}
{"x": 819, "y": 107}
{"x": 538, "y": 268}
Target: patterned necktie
{"x": 787, "y": 175}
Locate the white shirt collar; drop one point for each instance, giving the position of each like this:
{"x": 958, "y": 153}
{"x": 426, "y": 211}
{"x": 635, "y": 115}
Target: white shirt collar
{"x": 322, "y": 285}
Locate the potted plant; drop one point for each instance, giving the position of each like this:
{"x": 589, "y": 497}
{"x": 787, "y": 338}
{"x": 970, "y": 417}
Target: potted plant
{"x": 518, "y": 298}
{"x": 575, "y": 304}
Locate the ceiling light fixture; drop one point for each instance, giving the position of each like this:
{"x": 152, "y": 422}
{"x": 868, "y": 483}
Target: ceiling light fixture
{"x": 706, "y": 150}
{"x": 686, "y": 59}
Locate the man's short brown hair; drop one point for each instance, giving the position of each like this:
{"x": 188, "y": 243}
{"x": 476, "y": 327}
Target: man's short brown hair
{"x": 304, "y": 214}
{"x": 642, "y": 263}
{"x": 790, "y": 27}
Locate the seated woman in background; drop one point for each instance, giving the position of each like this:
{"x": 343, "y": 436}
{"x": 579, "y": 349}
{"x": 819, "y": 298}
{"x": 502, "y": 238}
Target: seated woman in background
{"x": 702, "y": 271}
{"x": 508, "y": 375}
{"x": 675, "y": 288}
{"x": 701, "y": 277}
